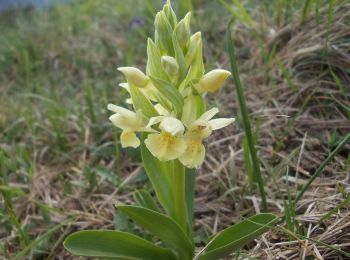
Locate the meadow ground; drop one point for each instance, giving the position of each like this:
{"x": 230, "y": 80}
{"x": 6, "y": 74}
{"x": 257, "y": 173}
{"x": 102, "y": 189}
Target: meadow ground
{"x": 62, "y": 167}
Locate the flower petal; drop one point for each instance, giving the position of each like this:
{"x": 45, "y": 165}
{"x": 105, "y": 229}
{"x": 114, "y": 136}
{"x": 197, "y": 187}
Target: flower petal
{"x": 164, "y": 146}
{"x": 194, "y": 155}
{"x": 172, "y": 125}
{"x": 220, "y": 122}
{"x": 121, "y": 110}
{"x": 209, "y": 114}
{"x": 134, "y": 76}
{"x": 125, "y": 86}
{"x": 127, "y": 123}
{"x": 155, "y": 120}
{"x": 129, "y": 139}
{"x": 213, "y": 80}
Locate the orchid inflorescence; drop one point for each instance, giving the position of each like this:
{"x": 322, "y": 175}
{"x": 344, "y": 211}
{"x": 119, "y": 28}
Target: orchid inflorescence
{"x": 168, "y": 99}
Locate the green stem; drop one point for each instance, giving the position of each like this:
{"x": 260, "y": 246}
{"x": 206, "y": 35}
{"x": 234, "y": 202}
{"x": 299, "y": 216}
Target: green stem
{"x": 179, "y": 182}
{"x": 322, "y": 166}
{"x": 245, "y": 116}
{"x": 190, "y": 188}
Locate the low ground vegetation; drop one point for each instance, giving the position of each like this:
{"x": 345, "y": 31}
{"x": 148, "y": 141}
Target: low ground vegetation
{"x": 62, "y": 168}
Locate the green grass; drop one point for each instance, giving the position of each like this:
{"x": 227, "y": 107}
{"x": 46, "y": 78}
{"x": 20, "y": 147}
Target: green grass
{"x": 58, "y": 73}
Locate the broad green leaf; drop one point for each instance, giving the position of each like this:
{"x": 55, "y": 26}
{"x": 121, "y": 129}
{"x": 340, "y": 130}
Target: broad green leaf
{"x": 159, "y": 174}
{"x": 141, "y": 102}
{"x": 162, "y": 226}
{"x": 116, "y": 244}
{"x": 170, "y": 93}
{"x": 154, "y": 66}
{"x": 144, "y": 198}
{"x": 234, "y": 237}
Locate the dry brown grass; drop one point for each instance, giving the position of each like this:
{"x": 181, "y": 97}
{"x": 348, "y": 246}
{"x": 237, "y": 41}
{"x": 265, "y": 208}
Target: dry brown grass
{"x": 296, "y": 125}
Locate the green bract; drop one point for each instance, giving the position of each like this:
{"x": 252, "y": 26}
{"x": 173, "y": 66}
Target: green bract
{"x": 171, "y": 113}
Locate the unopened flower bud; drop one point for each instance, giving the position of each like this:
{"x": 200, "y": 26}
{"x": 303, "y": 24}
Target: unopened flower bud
{"x": 170, "y": 14}
{"x": 195, "y": 43}
{"x": 170, "y": 66}
{"x": 212, "y": 81}
{"x": 182, "y": 31}
{"x": 163, "y": 34}
{"x": 134, "y": 76}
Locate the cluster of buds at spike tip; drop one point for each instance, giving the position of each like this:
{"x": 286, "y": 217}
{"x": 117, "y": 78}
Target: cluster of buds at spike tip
{"x": 169, "y": 98}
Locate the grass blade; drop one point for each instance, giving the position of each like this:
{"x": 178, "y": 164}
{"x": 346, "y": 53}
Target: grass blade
{"x": 322, "y": 166}
{"x": 334, "y": 210}
{"x": 245, "y": 116}
{"x": 38, "y": 240}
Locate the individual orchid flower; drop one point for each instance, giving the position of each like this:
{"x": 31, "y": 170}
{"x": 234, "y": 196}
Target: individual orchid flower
{"x": 169, "y": 143}
{"x": 130, "y": 122}
{"x": 135, "y": 76}
{"x": 200, "y": 129}
{"x": 212, "y": 81}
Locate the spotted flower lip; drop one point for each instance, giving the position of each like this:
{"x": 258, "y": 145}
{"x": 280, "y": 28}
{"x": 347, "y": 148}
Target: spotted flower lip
{"x": 169, "y": 144}
{"x": 200, "y": 129}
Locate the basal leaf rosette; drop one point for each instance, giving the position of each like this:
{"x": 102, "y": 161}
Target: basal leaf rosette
{"x": 168, "y": 100}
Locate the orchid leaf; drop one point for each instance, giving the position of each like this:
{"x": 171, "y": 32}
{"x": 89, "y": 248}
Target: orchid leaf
{"x": 114, "y": 244}
{"x": 162, "y": 226}
{"x": 159, "y": 174}
{"x": 236, "y": 236}
{"x": 144, "y": 198}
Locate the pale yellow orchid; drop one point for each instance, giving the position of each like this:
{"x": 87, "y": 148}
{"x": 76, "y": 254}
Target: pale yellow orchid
{"x": 130, "y": 122}
{"x": 200, "y": 129}
{"x": 212, "y": 81}
{"x": 169, "y": 144}
{"x": 135, "y": 76}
